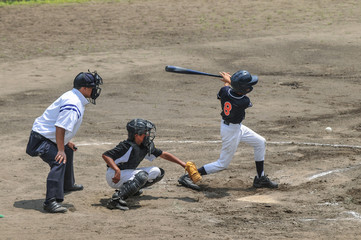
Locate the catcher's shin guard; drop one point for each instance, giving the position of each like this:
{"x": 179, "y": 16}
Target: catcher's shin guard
{"x": 131, "y": 187}
{"x": 157, "y": 179}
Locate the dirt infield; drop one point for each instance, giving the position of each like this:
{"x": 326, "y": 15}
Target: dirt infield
{"x": 307, "y": 55}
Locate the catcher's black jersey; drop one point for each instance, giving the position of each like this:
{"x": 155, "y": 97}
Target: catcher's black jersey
{"x": 233, "y": 105}
{"x": 128, "y": 155}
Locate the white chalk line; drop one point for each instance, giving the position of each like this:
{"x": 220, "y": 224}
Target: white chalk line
{"x": 94, "y": 144}
{"x": 355, "y": 216}
{"x": 327, "y": 173}
{"x": 219, "y": 141}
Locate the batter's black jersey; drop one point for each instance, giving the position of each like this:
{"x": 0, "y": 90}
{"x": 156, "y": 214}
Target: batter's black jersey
{"x": 128, "y": 155}
{"x": 233, "y": 105}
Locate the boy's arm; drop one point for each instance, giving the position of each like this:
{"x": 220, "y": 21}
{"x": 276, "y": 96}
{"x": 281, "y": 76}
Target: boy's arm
{"x": 110, "y": 162}
{"x": 170, "y": 157}
{"x": 190, "y": 167}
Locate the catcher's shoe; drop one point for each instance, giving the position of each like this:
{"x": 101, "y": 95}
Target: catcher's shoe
{"x": 187, "y": 182}
{"x": 116, "y": 204}
{"x": 264, "y": 182}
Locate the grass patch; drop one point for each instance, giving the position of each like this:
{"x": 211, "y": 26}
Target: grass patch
{"x": 34, "y": 2}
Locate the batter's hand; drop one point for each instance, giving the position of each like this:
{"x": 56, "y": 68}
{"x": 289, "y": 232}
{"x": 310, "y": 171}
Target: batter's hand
{"x": 226, "y": 78}
{"x": 60, "y": 157}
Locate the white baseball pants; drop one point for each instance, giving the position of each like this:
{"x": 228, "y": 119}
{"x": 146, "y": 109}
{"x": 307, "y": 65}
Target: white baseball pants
{"x": 232, "y": 135}
{"x": 128, "y": 174}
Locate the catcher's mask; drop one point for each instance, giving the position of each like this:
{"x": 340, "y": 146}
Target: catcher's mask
{"x": 242, "y": 81}
{"x": 90, "y": 80}
{"x": 140, "y": 126}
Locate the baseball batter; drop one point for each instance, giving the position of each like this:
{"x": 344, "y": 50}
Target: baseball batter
{"x": 234, "y": 102}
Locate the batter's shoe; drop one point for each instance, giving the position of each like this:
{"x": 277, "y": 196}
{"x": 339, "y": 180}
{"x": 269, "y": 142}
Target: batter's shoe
{"x": 54, "y": 207}
{"x": 187, "y": 182}
{"x": 264, "y": 182}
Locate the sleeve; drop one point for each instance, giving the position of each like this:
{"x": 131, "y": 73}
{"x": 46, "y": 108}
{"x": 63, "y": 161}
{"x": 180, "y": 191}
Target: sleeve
{"x": 219, "y": 94}
{"x": 156, "y": 152}
{"x": 69, "y": 115}
{"x": 249, "y": 103}
{"x": 117, "y": 152}
{"x": 221, "y": 91}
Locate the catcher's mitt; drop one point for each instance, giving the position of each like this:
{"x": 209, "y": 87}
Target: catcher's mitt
{"x": 193, "y": 172}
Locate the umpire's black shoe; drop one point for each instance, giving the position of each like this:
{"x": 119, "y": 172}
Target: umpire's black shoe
{"x": 75, "y": 187}
{"x": 264, "y": 182}
{"x": 187, "y": 182}
{"x": 54, "y": 207}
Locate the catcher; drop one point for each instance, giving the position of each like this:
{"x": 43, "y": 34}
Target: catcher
{"x": 122, "y": 162}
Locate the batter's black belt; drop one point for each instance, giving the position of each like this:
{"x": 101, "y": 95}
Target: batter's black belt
{"x": 227, "y": 123}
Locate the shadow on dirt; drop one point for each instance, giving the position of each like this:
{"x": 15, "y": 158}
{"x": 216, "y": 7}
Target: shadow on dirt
{"x": 37, "y": 204}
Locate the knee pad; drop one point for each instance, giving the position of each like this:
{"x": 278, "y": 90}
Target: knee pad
{"x": 130, "y": 187}
{"x": 157, "y": 179}
{"x": 141, "y": 178}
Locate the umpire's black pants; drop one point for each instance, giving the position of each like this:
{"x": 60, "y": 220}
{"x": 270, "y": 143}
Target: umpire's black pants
{"x": 61, "y": 175}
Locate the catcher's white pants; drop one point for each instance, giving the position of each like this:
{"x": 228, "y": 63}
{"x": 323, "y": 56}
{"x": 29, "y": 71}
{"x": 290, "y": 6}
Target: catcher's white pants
{"x": 128, "y": 174}
{"x": 232, "y": 135}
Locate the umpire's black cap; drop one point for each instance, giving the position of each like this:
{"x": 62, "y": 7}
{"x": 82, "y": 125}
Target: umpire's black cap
{"x": 84, "y": 79}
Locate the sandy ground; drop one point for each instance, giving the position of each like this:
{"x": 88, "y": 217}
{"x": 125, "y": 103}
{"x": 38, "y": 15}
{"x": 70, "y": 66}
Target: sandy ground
{"x": 307, "y": 55}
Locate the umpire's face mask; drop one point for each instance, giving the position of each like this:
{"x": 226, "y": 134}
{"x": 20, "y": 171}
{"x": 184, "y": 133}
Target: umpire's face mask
{"x": 95, "y": 94}
{"x": 96, "y": 89}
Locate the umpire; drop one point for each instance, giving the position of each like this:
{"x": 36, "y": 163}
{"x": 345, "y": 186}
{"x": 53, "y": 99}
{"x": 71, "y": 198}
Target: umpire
{"x": 51, "y": 134}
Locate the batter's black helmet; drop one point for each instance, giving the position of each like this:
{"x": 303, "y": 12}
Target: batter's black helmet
{"x": 242, "y": 81}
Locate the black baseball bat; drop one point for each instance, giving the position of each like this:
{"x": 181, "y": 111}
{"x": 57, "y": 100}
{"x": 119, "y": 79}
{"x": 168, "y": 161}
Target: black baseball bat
{"x": 182, "y": 70}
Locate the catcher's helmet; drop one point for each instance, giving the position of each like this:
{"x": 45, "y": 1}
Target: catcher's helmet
{"x": 90, "y": 80}
{"x": 242, "y": 81}
{"x": 140, "y": 126}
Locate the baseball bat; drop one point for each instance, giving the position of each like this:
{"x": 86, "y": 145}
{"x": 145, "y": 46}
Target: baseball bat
{"x": 175, "y": 69}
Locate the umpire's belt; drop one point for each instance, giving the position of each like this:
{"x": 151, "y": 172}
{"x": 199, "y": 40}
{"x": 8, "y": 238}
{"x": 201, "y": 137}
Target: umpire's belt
{"x": 39, "y": 136}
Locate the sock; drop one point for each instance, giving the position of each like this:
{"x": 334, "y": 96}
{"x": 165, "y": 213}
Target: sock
{"x": 202, "y": 171}
{"x": 259, "y": 167}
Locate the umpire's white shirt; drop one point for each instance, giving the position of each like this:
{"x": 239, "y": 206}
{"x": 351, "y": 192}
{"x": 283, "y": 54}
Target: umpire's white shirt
{"x": 66, "y": 112}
